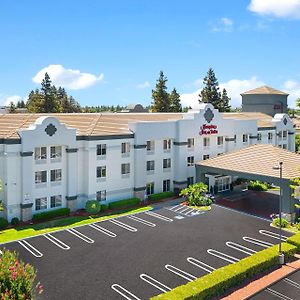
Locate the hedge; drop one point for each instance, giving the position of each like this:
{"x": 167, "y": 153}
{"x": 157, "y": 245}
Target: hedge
{"x": 295, "y": 240}
{"x": 160, "y": 196}
{"x": 124, "y": 203}
{"x": 217, "y": 282}
{"x": 51, "y": 214}
{"x": 103, "y": 207}
{"x": 3, "y": 223}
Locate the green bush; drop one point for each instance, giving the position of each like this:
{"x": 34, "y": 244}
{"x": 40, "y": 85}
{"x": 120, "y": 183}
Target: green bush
{"x": 16, "y": 278}
{"x": 104, "y": 207}
{"x": 196, "y": 194}
{"x": 51, "y": 214}
{"x": 257, "y": 186}
{"x": 92, "y": 206}
{"x": 295, "y": 240}
{"x": 15, "y": 221}
{"x": 217, "y": 282}
{"x": 284, "y": 222}
{"x": 3, "y": 223}
{"x": 124, "y": 203}
{"x": 159, "y": 196}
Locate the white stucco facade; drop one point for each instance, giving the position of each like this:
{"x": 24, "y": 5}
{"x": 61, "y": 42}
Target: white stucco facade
{"x": 51, "y": 162}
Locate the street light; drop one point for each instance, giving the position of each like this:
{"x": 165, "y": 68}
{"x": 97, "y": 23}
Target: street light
{"x": 281, "y": 255}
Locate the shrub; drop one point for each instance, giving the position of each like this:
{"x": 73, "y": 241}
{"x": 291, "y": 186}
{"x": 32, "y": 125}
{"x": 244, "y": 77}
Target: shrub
{"x": 295, "y": 240}
{"x": 103, "y": 207}
{"x": 92, "y": 206}
{"x": 284, "y": 222}
{"x": 195, "y": 194}
{"x": 51, "y": 214}
{"x": 159, "y": 196}
{"x": 14, "y": 221}
{"x": 16, "y": 278}
{"x": 3, "y": 223}
{"x": 217, "y": 282}
{"x": 124, "y": 203}
{"x": 257, "y": 186}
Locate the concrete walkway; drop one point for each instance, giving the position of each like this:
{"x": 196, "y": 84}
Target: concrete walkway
{"x": 260, "y": 284}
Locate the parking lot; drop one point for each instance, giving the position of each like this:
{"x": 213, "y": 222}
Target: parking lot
{"x": 139, "y": 256}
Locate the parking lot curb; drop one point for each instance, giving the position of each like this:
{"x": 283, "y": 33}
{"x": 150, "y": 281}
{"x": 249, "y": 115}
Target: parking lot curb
{"x": 257, "y": 286}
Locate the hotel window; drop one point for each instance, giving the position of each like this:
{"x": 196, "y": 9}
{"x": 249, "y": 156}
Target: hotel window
{"x": 167, "y": 163}
{"x": 101, "y": 195}
{"x": 220, "y": 140}
{"x": 40, "y": 203}
{"x": 284, "y": 146}
{"x": 40, "y": 176}
{"x": 206, "y": 142}
{"x": 40, "y": 153}
{"x": 284, "y": 135}
{"x": 167, "y": 144}
{"x": 101, "y": 149}
{"x": 206, "y": 156}
{"x": 270, "y": 136}
{"x": 150, "y": 188}
{"x": 245, "y": 138}
{"x": 190, "y": 180}
{"x": 150, "y": 165}
{"x": 55, "y": 175}
{"x": 191, "y": 143}
{"x": 259, "y": 137}
{"x": 190, "y": 161}
{"x": 125, "y": 148}
{"x": 166, "y": 185}
{"x": 101, "y": 172}
{"x": 55, "y": 152}
{"x": 150, "y": 145}
{"x": 125, "y": 169}
{"x": 55, "y": 201}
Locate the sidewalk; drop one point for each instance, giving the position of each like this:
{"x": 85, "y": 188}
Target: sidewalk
{"x": 260, "y": 284}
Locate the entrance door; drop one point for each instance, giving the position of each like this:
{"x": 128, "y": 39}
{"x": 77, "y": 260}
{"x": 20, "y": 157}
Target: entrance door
{"x": 223, "y": 184}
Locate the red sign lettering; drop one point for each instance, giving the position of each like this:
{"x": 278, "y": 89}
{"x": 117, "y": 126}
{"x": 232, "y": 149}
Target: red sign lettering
{"x": 206, "y": 129}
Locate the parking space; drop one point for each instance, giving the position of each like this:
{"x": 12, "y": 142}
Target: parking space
{"x": 139, "y": 256}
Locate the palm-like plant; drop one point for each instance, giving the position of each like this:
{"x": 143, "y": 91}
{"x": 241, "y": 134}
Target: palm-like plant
{"x": 195, "y": 194}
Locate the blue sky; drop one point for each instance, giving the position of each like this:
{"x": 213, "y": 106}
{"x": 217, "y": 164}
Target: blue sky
{"x": 111, "y": 52}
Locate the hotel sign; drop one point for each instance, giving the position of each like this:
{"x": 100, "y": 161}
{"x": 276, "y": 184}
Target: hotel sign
{"x": 206, "y": 129}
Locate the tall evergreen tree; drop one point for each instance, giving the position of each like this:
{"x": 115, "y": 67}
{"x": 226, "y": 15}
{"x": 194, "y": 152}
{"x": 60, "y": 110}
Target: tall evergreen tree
{"x": 160, "y": 96}
{"x": 175, "y": 105}
{"x": 49, "y": 93}
{"x": 12, "y": 108}
{"x": 35, "y": 102}
{"x": 210, "y": 93}
{"x": 224, "y": 102}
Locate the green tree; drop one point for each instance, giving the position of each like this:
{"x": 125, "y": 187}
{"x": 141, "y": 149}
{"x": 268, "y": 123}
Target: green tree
{"x": 12, "y": 108}
{"x": 297, "y": 143}
{"x": 224, "y": 102}
{"x": 175, "y": 105}
{"x": 50, "y": 97}
{"x": 160, "y": 96}
{"x": 35, "y": 102}
{"x": 195, "y": 194}
{"x": 298, "y": 102}
{"x": 210, "y": 93}
{"x": 1, "y": 203}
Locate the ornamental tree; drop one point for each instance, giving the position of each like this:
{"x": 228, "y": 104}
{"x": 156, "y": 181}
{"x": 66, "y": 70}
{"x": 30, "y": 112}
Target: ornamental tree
{"x": 196, "y": 194}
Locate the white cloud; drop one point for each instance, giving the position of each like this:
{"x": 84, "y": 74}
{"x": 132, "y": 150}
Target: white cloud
{"x": 68, "y": 78}
{"x": 143, "y": 85}
{"x": 276, "y": 8}
{"x": 293, "y": 89}
{"x": 7, "y": 100}
{"x": 234, "y": 88}
{"x": 224, "y": 24}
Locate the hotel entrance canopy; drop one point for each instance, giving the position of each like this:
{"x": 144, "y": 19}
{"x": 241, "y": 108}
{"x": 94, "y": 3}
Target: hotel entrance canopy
{"x": 257, "y": 162}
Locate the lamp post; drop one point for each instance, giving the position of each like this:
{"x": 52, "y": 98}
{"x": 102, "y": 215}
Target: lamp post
{"x": 281, "y": 255}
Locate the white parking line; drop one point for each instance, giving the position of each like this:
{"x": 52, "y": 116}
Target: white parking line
{"x": 173, "y": 207}
{"x": 273, "y": 235}
{"x": 179, "y": 208}
{"x": 223, "y": 256}
{"x": 184, "y": 209}
{"x": 277, "y": 294}
{"x": 137, "y": 219}
{"x": 123, "y": 292}
{"x": 81, "y": 235}
{"x": 123, "y": 225}
{"x": 35, "y": 252}
{"x": 240, "y": 248}
{"x": 257, "y": 242}
{"x": 103, "y": 230}
{"x": 201, "y": 264}
{"x": 56, "y": 241}
{"x": 189, "y": 211}
{"x": 293, "y": 283}
{"x": 158, "y": 216}
{"x": 160, "y": 286}
{"x": 180, "y": 273}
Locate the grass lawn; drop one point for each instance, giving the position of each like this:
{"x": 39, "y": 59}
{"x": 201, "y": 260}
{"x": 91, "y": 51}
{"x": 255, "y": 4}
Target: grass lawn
{"x": 9, "y": 235}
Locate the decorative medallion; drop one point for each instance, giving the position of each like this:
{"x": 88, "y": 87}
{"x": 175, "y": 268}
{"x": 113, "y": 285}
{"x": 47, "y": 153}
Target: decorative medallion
{"x": 208, "y": 115}
{"x": 50, "y": 129}
{"x": 284, "y": 121}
